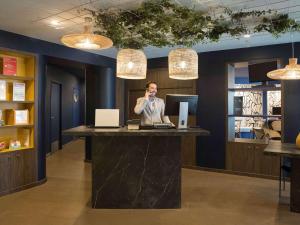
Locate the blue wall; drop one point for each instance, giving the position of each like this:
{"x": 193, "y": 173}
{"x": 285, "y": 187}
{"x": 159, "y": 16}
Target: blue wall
{"x": 100, "y": 94}
{"x": 212, "y": 91}
{"x": 42, "y": 50}
{"x": 68, "y": 82}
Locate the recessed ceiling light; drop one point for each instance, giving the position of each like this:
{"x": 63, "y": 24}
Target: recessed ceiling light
{"x": 54, "y": 22}
{"x": 247, "y": 35}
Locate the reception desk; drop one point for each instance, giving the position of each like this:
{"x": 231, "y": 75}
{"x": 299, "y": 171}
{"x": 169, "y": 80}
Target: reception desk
{"x": 290, "y": 151}
{"x": 136, "y": 168}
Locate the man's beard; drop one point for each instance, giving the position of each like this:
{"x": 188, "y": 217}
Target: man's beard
{"x": 152, "y": 95}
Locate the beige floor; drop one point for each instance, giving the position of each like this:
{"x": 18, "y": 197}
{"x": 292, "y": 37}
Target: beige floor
{"x": 207, "y": 199}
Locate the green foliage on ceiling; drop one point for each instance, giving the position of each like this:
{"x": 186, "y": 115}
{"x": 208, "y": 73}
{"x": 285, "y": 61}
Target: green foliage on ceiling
{"x": 166, "y": 23}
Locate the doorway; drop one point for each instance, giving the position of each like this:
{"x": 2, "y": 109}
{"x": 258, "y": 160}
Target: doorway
{"x": 55, "y": 117}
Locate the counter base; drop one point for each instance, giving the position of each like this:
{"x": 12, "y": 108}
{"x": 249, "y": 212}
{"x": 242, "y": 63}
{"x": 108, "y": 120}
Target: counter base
{"x": 136, "y": 172}
{"x": 295, "y": 185}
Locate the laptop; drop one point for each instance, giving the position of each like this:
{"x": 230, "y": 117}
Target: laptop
{"x": 107, "y": 118}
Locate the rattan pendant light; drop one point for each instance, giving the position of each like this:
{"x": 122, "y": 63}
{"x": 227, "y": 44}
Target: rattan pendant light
{"x": 131, "y": 64}
{"x": 289, "y": 72}
{"x": 87, "y": 40}
{"x": 183, "y": 64}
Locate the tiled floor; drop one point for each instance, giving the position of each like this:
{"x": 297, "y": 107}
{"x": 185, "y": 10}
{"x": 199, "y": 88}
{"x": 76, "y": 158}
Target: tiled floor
{"x": 207, "y": 199}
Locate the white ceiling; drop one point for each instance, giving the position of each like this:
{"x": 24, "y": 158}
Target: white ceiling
{"x": 33, "y": 18}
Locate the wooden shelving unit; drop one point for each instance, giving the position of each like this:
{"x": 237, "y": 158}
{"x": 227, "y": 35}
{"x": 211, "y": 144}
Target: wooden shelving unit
{"x": 251, "y": 116}
{"x": 19, "y": 149}
{"x": 20, "y": 78}
{"x": 18, "y": 167}
{"x": 17, "y": 102}
{"x": 245, "y": 155}
{"x": 254, "y": 89}
{"x": 17, "y": 126}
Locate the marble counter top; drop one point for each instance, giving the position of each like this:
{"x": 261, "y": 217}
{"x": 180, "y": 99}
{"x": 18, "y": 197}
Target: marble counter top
{"x": 123, "y": 131}
{"x": 282, "y": 149}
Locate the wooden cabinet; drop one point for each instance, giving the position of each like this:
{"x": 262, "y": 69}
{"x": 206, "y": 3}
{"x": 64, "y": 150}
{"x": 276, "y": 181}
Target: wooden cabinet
{"x": 5, "y": 171}
{"x": 17, "y": 170}
{"x": 30, "y": 172}
{"x": 248, "y": 157}
{"x": 18, "y": 167}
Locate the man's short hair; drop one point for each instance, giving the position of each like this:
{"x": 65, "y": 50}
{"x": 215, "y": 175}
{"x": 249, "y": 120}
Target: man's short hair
{"x": 150, "y": 82}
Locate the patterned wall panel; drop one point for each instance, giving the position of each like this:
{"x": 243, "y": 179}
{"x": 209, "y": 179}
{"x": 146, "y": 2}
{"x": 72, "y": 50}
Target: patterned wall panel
{"x": 274, "y": 100}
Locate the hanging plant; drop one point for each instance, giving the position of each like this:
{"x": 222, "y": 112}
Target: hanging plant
{"x": 166, "y": 23}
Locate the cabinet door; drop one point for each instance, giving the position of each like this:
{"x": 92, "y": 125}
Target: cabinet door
{"x": 5, "y": 159}
{"x": 17, "y": 169}
{"x": 266, "y": 164}
{"x": 229, "y": 155}
{"x": 29, "y": 166}
{"x": 243, "y": 158}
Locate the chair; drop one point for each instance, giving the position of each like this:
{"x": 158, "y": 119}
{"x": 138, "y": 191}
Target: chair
{"x": 284, "y": 169}
{"x": 276, "y": 125}
{"x": 257, "y": 129}
{"x": 259, "y": 133}
{"x": 272, "y": 134}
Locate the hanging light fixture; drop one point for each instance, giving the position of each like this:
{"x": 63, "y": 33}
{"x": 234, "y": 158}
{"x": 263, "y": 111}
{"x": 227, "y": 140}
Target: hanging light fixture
{"x": 131, "y": 64}
{"x": 183, "y": 64}
{"x": 87, "y": 40}
{"x": 289, "y": 72}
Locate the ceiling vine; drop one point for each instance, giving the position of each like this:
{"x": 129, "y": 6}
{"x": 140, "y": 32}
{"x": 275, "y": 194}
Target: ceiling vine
{"x": 166, "y": 23}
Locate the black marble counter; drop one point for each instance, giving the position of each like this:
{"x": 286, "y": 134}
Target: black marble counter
{"x": 282, "y": 149}
{"x": 85, "y": 131}
{"x": 291, "y": 151}
{"x": 136, "y": 168}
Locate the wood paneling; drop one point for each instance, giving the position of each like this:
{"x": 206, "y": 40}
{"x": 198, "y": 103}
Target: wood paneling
{"x": 29, "y": 166}
{"x": 295, "y": 185}
{"x": 13, "y": 172}
{"x": 136, "y": 88}
{"x": 120, "y": 98}
{"x": 249, "y": 158}
{"x": 5, "y": 171}
{"x": 17, "y": 169}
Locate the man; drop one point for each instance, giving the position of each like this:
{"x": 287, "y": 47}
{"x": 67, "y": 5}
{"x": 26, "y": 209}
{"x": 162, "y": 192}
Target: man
{"x": 151, "y": 108}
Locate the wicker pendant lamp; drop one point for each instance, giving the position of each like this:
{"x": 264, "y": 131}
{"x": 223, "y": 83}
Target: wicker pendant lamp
{"x": 131, "y": 64}
{"x": 183, "y": 64}
{"x": 289, "y": 72}
{"x": 87, "y": 40}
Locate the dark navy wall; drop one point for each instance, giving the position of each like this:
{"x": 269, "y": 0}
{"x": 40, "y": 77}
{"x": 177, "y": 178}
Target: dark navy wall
{"x": 100, "y": 94}
{"x": 43, "y": 50}
{"x": 68, "y": 82}
{"x": 40, "y": 115}
{"x": 211, "y": 88}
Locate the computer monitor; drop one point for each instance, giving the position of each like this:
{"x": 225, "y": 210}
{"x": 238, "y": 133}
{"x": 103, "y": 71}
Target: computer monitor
{"x": 182, "y": 105}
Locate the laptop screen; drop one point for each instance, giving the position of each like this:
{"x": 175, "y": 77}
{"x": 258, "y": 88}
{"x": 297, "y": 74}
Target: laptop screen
{"x": 107, "y": 118}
